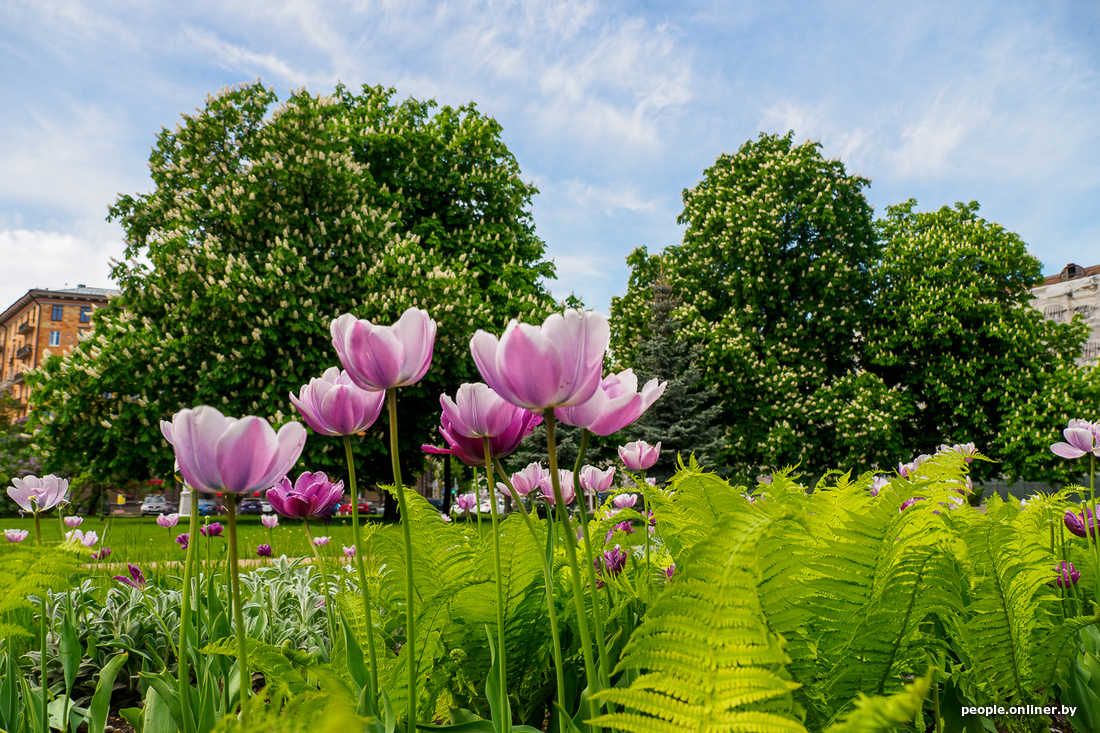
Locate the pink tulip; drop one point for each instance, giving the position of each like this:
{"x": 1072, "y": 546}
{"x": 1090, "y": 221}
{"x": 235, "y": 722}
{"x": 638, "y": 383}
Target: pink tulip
{"x": 639, "y": 455}
{"x": 568, "y": 493}
{"x": 471, "y": 451}
{"x": 168, "y": 520}
{"x": 349, "y": 551}
{"x": 531, "y": 478}
{"x": 218, "y": 453}
{"x": 312, "y": 496}
{"x": 465, "y": 502}
{"x": 321, "y": 541}
{"x": 15, "y": 535}
{"x": 444, "y": 517}
{"x": 624, "y": 501}
{"x": 73, "y": 522}
{"x": 271, "y": 521}
{"x": 909, "y": 470}
{"x": 335, "y": 405}
{"x": 616, "y": 404}
{"x": 555, "y": 365}
{"x": 103, "y": 554}
{"x": 77, "y": 535}
{"x": 595, "y": 481}
{"x": 382, "y": 357}
{"x": 478, "y": 411}
{"x": 38, "y": 494}
{"x": 1081, "y": 439}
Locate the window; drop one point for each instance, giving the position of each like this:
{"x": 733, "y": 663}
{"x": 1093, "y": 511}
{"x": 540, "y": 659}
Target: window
{"x": 1091, "y": 350}
{"x": 1054, "y": 312}
{"x": 85, "y": 314}
{"x": 55, "y": 338}
{"x": 58, "y": 313}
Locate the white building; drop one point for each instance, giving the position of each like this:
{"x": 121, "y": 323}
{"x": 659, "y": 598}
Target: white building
{"x": 1072, "y": 292}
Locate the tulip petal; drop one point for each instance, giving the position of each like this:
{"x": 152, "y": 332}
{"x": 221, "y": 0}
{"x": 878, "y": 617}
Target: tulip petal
{"x": 531, "y": 366}
{"x": 196, "y": 433}
{"x": 1065, "y": 450}
{"x": 415, "y": 330}
{"x": 245, "y": 452}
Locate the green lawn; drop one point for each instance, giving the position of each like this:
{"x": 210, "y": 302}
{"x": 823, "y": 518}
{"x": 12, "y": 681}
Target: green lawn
{"x": 141, "y": 540}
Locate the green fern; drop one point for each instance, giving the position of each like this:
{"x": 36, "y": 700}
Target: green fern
{"x": 706, "y": 659}
{"x": 885, "y": 714}
{"x": 32, "y": 570}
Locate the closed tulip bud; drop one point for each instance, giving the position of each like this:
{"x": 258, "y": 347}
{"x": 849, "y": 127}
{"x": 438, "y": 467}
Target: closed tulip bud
{"x": 263, "y": 550}
{"x": 168, "y": 520}
{"x": 73, "y": 522}
{"x": 595, "y": 481}
{"x": 271, "y": 521}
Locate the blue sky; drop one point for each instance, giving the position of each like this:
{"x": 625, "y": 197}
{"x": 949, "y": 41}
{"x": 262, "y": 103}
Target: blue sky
{"x": 611, "y": 108}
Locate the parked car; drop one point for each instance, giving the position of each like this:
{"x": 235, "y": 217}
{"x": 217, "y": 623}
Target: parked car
{"x": 209, "y": 507}
{"x": 251, "y": 505}
{"x": 154, "y": 505}
{"x": 364, "y": 508}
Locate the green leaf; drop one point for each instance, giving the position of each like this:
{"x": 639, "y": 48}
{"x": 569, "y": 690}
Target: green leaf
{"x": 101, "y": 698}
{"x": 885, "y": 714}
{"x": 69, "y": 650}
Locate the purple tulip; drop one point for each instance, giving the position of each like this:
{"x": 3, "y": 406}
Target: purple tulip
{"x": 211, "y": 530}
{"x": 555, "y": 365}
{"x": 1067, "y": 574}
{"x": 1075, "y": 523}
{"x": 183, "y": 539}
{"x": 38, "y": 494}
{"x": 218, "y": 453}
{"x": 626, "y": 527}
{"x": 77, "y": 535}
{"x": 1081, "y": 439}
{"x": 880, "y": 483}
{"x": 378, "y": 358}
{"x": 639, "y": 455}
{"x": 335, "y": 405}
{"x": 321, "y": 541}
{"x": 595, "y": 481}
{"x": 614, "y": 560}
{"x": 271, "y": 521}
{"x": 263, "y": 550}
{"x": 136, "y": 579}
{"x": 670, "y": 571}
{"x": 910, "y": 502}
{"x": 73, "y": 522}
{"x": 477, "y": 411}
{"x": 15, "y": 535}
{"x": 465, "y": 502}
{"x": 312, "y": 496}
{"x": 531, "y": 478}
{"x": 471, "y": 451}
{"x": 103, "y": 554}
{"x": 349, "y": 551}
{"x": 616, "y": 404}
{"x": 168, "y": 520}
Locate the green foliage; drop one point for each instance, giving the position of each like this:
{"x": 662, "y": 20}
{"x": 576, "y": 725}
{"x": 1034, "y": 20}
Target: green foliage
{"x": 953, "y": 329}
{"x": 885, "y": 714}
{"x": 32, "y": 570}
{"x": 265, "y": 223}
{"x": 774, "y": 281}
{"x": 685, "y": 419}
{"x": 707, "y": 661}
{"x": 17, "y": 458}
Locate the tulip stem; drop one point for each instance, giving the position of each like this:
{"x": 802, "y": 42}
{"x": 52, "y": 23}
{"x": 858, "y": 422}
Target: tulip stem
{"x": 571, "y": 556}
{"x": 548, "y": 581}
{"x": 185, "y": 625}
{"x": 506, "y": 723}
{"x": 406, "y": 526}
{"x": 238, "y": 611}
{"x": 361, "y": 567}
{"x": 1093, "y": 530}
{"x": 38, "y": 529}
{"x": 320, "y": 562}
{"x": 597, "y": 611}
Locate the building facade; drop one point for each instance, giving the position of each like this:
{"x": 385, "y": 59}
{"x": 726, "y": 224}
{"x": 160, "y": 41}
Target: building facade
{"x": 41, "y": 323}
{"x": 1075, "y": 291}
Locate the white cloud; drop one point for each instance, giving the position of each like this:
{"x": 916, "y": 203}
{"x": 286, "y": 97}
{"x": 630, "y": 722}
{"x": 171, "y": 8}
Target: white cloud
{"x": 239, "y": 59}
{"x": 54, "y": 260}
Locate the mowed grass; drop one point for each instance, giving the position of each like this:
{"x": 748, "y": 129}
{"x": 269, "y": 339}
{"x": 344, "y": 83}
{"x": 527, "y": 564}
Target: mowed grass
{"x": 141, "y": 540}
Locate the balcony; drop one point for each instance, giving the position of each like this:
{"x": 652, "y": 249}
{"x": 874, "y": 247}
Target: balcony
{"x": 24, "y": 351}
{"x": 24, "y": 328}
{"x": 6, "y": 386}
{"x": 18, "y": 378}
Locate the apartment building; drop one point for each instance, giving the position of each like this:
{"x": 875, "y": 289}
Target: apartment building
{"x": 1072, "y": 292}
{"x": 41, "y": 323}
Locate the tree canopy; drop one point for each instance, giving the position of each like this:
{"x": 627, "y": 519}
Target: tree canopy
{"x": 953, "y": 329}
{"x": 774, "y": 280}
{"x": 266, "y": 222}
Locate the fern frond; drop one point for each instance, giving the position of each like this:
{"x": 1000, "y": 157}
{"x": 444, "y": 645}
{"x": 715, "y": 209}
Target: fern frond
{"x": 706, "y": 658}
{"x": 885, "y": 714}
